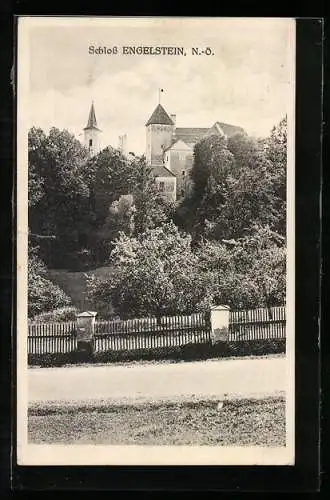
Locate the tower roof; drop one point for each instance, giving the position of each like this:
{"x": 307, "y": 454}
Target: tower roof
{"x": 159, "y": 117}
{"x": 92, "y": 123}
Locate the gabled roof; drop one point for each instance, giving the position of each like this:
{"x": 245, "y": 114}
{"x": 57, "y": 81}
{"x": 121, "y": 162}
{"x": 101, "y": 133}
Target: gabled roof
{"x": 229, "y": 130}
{"x": 179, "y": 145}
{"x": 159, "y": 117}
{"x": 92, "y": 123}
{"x": 190, "y": 135}
{"x": 162, "y": 171}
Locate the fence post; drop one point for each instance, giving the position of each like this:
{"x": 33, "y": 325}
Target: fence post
{"x": 220, "y": 324}
{"x": 85, "y": 332}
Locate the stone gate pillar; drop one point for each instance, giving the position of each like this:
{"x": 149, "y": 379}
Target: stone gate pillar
{"x": 85, "y": 332}
{"x": 220, "y": 324}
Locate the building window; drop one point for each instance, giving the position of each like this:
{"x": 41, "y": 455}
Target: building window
{"x": 90, "y": 143}
{"x": 183, "y": 173}
{"x": 162, "y": 186}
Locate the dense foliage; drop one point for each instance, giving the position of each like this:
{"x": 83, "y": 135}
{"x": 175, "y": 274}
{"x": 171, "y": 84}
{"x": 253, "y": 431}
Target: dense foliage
{"x": 153, "y": 275}
{"x": 43, "y": 295}
{"x": 225, "y": 242}
{"x": 57, "y": 315}
{"x": 81, "y": 202}
{"x": 250, "y": 271}
{"x": 238, "y": 183}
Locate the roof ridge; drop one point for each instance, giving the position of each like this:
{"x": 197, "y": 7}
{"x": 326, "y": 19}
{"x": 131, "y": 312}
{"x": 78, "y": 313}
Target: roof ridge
{"x": 168, "y": 169}
{"x": 229, "y": 125}
{"x": 162, "y": 167}
{"x": 193, "y": 128}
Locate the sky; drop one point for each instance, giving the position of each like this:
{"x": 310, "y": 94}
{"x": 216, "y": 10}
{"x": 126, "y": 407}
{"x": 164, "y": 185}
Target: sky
{"x": 247, "y": 82}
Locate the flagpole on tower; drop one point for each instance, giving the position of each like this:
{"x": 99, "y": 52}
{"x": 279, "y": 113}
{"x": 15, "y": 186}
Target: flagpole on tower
{"x": 159, "y": 92}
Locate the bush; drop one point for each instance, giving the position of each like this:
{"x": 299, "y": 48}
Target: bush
{"x": 43, "y": 294}
{"x": 190, "y": 352}
{"x": 60, "y": 314}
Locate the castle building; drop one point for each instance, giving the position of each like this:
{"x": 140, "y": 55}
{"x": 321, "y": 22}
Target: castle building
{"x": 169, "y": 149}
{"x": 92, "y": 134}
{"x": 159, "y": 134}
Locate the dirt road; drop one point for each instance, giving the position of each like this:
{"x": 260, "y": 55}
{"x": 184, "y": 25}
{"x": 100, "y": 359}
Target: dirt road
{"x": 211, "y": 378}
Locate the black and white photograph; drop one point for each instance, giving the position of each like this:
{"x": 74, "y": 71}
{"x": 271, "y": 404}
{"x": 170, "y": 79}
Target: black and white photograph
{"x": 155, "y": 241}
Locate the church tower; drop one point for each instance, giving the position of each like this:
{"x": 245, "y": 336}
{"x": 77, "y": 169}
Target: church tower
{"x": 92, "y": 134}
{"x": 159, "y": 134}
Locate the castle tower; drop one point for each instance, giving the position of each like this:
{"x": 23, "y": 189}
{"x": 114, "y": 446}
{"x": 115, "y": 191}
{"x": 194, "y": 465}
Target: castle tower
{"x": 92, "y": 134}
{"x": 159, "y": 134}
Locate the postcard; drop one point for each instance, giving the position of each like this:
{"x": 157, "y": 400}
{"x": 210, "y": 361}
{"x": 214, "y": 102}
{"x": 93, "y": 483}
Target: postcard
{"x": 155, "y": 241}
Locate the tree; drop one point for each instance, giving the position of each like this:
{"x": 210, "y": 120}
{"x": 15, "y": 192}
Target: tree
{"x": 153, "y": 275}
{"x": 238, "y": 183}
{"x": 276, "y": 149}
{"x": 111, "y": 176}
{"x": 120, "y": 219}
{"x": 43, "y": 295}
{"x": 243, "y": 148}
{"x": 277, "y": 146}
{"x": 212, "y": 158}
{"x": 261, "y": 258}
{"x": 57, "y": 167}
{"x": 212, "y": 163}
{"x": 250, "y": 271}
{"x": 151, "y": 207}
{"x": 126, "y": 199}
{"x": 251, "y": 198}
{"x": 36, "y": 137}
{"x": 122, "y": 213}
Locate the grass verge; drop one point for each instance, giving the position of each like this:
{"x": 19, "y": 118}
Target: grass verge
{"x": 240, "y": 422}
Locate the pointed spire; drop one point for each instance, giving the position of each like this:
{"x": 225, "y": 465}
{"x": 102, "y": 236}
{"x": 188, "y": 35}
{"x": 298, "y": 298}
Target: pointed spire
{"x": 92, "y": 123}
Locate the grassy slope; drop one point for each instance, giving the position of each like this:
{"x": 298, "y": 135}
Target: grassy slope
{"x": 238, "y": 423}
{"x": 74, "y": 283}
